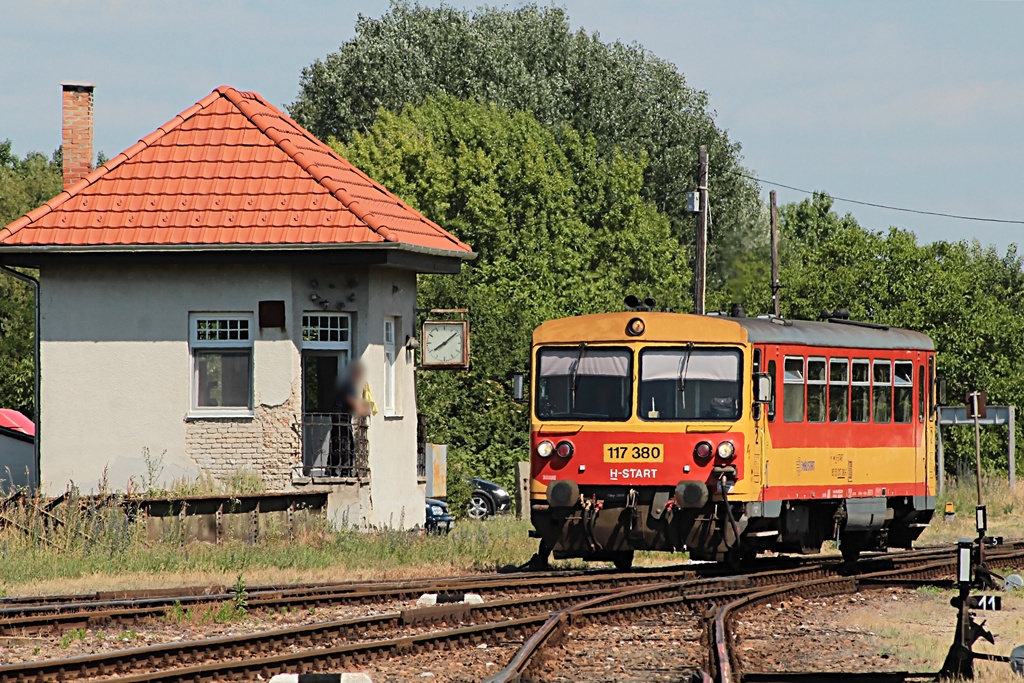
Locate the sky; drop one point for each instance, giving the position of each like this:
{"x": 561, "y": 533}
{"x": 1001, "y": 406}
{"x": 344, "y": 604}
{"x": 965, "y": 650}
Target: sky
{"x": 911, "y": 104}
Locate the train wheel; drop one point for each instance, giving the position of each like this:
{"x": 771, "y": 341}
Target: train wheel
{"x": 851, "y": 544}
{"x": 741, "y": 557}
{"x": 851, "y": 552}
{"x": 539, "y": 562}
{"x": 623, "y": 561}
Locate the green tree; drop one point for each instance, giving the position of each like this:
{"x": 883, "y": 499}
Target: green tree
{"x": 24, "y": 184}
{"x": 560, "y": 230}
{"x": 968, "y": 298}
{"x": 529, "y": 59}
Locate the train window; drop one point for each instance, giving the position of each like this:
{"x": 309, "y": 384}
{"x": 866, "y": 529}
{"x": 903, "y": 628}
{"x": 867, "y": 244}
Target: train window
{"x": 922, "y": 390}
{"x": 757, "y": 368}
{"x": 903, "y": 391}
{"x": 931, "y": 386}
{"x": 881, "y": 392}
{"x": 584, "y": 383}
{"x": 687, "y": 383}
{"x": 793, "y": 389}
{"x": 816, "y": 387}
{"x": 860, "y": 391}
{"x": 838, "y": 389}
{"x": 771, "y": 406}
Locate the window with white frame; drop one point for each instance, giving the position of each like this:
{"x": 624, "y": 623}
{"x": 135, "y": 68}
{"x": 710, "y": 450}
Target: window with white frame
{"x": 221, "y": 346}
{"x": 329, "y": 331}
{"x": 390, "y": 330}
{"x": 326, "y": 350}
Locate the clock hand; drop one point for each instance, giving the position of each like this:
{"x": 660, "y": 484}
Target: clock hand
{"x": 446, "y": 341}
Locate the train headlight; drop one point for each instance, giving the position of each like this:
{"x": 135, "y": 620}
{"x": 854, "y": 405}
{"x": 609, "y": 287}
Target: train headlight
{"x": 702, "y": 451}
{"x": 726, "y": 450}
{"x": 564, "y": 449}
{"x": 545, "y": 449}
{"x": 635, "y": 327}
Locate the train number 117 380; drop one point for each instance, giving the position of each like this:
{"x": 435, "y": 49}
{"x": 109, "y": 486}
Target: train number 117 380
{"x": 634, "y": 452}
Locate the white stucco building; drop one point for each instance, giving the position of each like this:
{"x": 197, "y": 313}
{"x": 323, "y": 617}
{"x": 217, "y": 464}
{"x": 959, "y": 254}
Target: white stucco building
{"x": 201, "y": 292}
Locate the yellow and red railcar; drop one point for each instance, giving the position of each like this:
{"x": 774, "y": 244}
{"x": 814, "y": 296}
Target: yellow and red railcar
{"x": 726, "y": 436}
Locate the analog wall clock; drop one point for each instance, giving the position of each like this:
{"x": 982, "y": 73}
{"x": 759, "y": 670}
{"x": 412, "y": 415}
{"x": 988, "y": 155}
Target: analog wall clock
{"x": 445, "y": 344}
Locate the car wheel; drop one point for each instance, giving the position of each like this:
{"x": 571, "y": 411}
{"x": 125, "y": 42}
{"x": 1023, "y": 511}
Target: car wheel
{"x": 479, "y": 507}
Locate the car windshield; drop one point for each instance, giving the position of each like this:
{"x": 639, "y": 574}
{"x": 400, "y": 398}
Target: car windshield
{"x": 689, "y": 383}
{"x": 583, "y": 383}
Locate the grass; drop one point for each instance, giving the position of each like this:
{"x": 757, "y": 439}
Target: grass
{"x": 1005, "y": 510}
{"x": 95, "y": 547}
{"x": 916, "y": 631}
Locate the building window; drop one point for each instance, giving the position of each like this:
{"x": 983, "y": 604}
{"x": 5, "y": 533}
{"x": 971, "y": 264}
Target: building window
{"x": 793, "y": 389}
{"x": 390, "y": 326}
{"x": 221, "y": 347}
{"x": 326, "y": 350}
{"x": 331, "y": 331}
{"x": 881, "y": 395}
{"x": 838, "y": 389}
{"x": 903, "y": 385}
{"x": 860, "y": 391}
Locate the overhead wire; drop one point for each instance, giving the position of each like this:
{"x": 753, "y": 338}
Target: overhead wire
{"x": 940, "y": 214}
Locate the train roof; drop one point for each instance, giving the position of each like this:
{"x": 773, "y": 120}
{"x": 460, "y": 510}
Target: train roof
{"x": 668, "y": 327}
{"x": 845, "y": 333}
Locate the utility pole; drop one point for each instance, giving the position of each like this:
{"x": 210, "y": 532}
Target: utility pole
{"x": 701, "y": 251}
{"x": 976, "y": 409}
{"x": 775, "y": 257}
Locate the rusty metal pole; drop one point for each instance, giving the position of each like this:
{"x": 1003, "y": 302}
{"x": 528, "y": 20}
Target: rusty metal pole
{"x": 777, "y": 306}
{"x": 701, "y": 246}
{"x": 977, "y": 443}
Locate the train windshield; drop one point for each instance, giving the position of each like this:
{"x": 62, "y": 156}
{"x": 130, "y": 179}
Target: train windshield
{"x": 690, "y": 383}
{"x": 584, "y": 383}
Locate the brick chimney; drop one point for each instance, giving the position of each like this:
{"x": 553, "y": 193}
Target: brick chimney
{"x": 76, "y": 145}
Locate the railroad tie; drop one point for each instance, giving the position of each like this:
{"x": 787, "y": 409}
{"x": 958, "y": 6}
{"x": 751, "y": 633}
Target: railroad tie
{"x": 322, "y": 678}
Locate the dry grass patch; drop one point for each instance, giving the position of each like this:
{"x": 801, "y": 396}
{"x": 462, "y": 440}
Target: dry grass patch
{"x": 916, "y": 629}
{"x": 113, "y": 554}
{"x": 1005, "y": 511}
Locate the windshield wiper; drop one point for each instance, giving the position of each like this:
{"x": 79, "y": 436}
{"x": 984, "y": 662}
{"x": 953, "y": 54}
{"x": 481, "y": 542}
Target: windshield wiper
{"x": 576, "y": 374}
{"x": 684, "y": 364}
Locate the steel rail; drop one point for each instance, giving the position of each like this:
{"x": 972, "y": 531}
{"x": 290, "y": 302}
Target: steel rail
{"x": 26, "y": 619}
{"x": 309, "y": 637}
{"x": 262, "y": 643}
{"x": 913, "y": 566}
{"x": 607, "y": 596}
{"x": 724, "y": 663}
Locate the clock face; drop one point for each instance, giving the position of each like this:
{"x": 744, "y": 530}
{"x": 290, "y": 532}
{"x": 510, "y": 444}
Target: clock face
{"x": 444, "y": 343}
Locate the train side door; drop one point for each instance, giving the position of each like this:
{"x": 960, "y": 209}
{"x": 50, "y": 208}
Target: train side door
{"x": 765, "y": 360}
{"x": 922, "y": 439}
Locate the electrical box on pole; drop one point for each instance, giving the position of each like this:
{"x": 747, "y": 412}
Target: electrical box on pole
{"x": 975, "y": 402}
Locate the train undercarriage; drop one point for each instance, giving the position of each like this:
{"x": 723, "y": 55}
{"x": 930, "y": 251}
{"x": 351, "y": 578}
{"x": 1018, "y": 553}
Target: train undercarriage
{"x": 614, "y": 522}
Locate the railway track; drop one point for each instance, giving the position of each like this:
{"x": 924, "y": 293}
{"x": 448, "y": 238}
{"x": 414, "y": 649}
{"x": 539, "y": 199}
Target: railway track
{"x": 930, "y": 567}
{"x": 535, "y": 621}
{"x": 53, "y": 614}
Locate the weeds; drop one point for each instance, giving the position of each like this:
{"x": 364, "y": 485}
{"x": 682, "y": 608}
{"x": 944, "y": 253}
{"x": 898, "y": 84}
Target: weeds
{"x": 240, "y": 597}
{"x": 229, "y": 612}
{"x": 1004, "y": 510}
{"x": 71, "y": 636}
{"x": 176, "y": 614}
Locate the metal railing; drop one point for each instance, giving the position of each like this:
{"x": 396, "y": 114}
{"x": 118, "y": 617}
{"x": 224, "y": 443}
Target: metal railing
{"x": 421, "y": 447}
{"x": 335, "y": 445}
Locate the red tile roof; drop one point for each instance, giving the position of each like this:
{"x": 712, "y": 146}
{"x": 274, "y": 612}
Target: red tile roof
{"x": 230, "y": 170}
